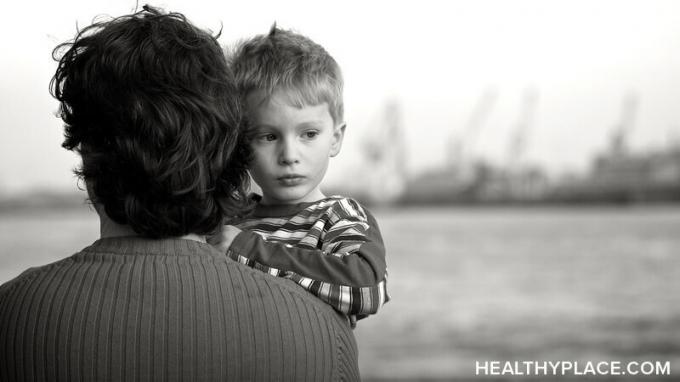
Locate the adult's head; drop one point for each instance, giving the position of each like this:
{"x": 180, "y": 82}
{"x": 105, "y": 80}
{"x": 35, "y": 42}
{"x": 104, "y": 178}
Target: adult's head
{"x": 150, "y": 105}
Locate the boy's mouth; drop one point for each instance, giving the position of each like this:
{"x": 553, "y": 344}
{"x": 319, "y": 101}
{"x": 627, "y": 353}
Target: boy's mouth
{"x": 291, "y": 179}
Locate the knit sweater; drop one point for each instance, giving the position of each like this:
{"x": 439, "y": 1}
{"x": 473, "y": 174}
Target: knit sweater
{"x": 138, "y": 309}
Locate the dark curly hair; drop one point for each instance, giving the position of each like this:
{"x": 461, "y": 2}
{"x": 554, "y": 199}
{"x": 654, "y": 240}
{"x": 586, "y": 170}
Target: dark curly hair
{"x": 149, "y": 103}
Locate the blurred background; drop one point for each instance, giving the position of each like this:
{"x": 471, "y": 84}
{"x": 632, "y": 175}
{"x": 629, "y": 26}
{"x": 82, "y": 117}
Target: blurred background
{"x": 522, "y": 158}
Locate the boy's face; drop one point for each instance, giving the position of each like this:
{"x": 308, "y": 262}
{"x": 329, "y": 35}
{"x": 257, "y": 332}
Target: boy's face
{"x": 291, "y": 148}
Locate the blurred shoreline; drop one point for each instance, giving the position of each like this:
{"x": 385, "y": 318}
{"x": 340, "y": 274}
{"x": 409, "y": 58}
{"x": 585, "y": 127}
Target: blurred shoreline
{"x": 42, "y": 201}
{"x": 37, "y": 201}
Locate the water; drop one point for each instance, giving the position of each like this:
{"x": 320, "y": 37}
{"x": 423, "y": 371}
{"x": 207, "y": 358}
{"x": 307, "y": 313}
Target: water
{"x": 482, "y": 284}
{"x": 525, "y": 284}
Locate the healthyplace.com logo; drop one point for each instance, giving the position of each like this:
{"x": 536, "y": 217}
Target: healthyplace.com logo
{"x": 572, "y": 368}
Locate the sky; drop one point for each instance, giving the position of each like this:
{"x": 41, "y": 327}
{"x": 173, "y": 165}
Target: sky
{"x": 435, "y": 59}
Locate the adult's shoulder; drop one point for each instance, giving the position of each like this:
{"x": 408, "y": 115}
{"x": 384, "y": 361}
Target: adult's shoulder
{"x": 282, "y": 291}
{"x": 31, "y": 274}
{"x": 279, "y": 305}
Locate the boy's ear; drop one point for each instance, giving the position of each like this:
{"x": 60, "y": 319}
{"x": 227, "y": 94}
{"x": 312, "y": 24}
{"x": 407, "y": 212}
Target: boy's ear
{"x": 338, "y": 135}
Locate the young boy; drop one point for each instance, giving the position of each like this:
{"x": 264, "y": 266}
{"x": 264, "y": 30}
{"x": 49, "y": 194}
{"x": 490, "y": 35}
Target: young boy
{"x": 331, "y": 246}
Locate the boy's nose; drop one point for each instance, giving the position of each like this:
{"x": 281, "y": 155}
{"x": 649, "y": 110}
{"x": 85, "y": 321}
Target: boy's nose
{"x": 288, "y": 154}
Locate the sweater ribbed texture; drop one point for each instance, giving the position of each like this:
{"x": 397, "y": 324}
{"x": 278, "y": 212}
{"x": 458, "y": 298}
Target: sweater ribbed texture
{"x": 137, "y": 309}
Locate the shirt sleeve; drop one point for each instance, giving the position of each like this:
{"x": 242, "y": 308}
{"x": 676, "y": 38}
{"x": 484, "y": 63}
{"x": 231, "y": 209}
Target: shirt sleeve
{"x": 349, "y": 272}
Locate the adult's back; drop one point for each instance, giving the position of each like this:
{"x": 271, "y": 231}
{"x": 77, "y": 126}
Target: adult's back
{"x": 170, "y": 309}
{"x": 149, "y": 104}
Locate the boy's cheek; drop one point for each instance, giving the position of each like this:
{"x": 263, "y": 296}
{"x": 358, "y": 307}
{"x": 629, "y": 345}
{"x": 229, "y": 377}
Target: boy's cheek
{"x": 263, "y": 159}
{"x": 257, "y": 154}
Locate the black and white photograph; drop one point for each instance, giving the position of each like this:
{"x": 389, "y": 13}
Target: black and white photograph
{"x": 340, "y": 191}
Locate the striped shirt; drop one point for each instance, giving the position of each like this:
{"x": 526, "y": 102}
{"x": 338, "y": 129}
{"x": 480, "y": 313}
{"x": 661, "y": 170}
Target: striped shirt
{"x": 331, "y": 247}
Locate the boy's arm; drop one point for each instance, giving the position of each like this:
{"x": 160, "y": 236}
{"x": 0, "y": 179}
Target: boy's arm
{"x": 349, "y": 272}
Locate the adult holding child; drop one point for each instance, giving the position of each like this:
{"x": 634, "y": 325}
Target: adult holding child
{"x": 149, "y": 104}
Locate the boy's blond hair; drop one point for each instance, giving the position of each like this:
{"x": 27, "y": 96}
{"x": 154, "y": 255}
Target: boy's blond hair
{"x": 289, "y": 62}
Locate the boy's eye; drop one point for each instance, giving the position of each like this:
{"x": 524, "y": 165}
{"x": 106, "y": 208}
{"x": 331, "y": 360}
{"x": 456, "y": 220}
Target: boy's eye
{"x": 311, "y": 134}
{"x": 267, "y": 137}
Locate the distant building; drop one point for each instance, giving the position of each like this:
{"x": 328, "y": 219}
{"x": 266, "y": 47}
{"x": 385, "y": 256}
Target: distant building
{"x": 478, "y": 183}
{"x": 653, "y": 175}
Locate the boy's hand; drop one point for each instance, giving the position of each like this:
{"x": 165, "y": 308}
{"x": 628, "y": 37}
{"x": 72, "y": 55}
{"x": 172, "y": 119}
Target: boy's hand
{"x": 222, "y": 240}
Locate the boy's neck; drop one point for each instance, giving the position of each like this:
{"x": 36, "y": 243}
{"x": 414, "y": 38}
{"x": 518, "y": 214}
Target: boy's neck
{"x": 310, "y": 198}
{"x": 263, "y": 210}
